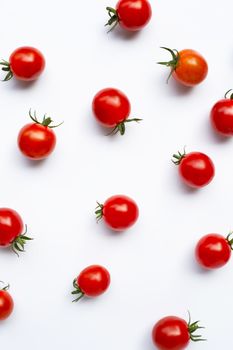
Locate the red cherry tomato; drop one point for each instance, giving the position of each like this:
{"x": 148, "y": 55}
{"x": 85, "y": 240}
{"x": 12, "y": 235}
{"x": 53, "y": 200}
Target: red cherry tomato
{"x": 93, "y": 281}
{"x": 119, "y": 212}
{"x": 25, "y": 63}
{"x": 111, "y": 109}
{"x": 213, "y": 251}
{"x": 188, "y": 67}
{"x": 11, "y": 230}
{"x": 132, "y": 15}
{"x": 174, "y": 333}
{"x": 196, "y": 169}
{"x": 6, "y": 303}
{"x": 221, "y": 116}
{"x": 37, "y": 140}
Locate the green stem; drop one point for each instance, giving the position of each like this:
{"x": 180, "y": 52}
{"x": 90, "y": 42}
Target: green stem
{"x": 192, "y": 328}
{"x": 114, "y": 18}
{"x": 45, "y": 122}
{"x": 177, "y": 158}
{"x": 19, "y": 242}
{"x": 6, "y": 68}
{"x": 120, "y": 127}
{"x": 99, "y": 211}
{"x": 173, "y": 63}
{"x": 77, "y": 290}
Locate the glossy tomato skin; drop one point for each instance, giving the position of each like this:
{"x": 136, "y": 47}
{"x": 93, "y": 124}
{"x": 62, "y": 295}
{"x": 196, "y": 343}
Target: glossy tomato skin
{"x": 221, "y": 117}
{"x": 133, "y": 14}
{"x": 196, "y": 169}
{"x": 27, "y": 63}
{"x": 213, "y": 251}
{"x": 36, "y": 141}
{"x": 6, "y": 304}
{"x": 110, "y": 107}
{"x": 11, "y": 226}
{"x": 191, "y": 69}
{"x": 120, "y": 212}
{"x": 171, "y": 333}
{"x": 94, "y": 280}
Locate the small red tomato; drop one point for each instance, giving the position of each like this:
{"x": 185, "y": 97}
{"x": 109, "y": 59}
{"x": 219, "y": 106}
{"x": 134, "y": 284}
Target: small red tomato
{"x": 93, "y": 281}
{"x": 132, "y": 15}
{"x": 119, "y": 212}
{"x": 6, "y": 303}
{"x": 221, "y": 116}
{"x": 174, "y": 333}
{"x": 188, "y": 67}
{"x": 25, "y": 63}
{"x": 111, "y": 108}
{"x": 37, "y": 140}
{"x": 213, "y": 250}
{"x": 11, "y": 228}
{"x": 196, "y": 169}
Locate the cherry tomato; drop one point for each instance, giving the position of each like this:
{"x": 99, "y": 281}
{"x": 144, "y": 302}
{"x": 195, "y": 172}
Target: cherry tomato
{"x": 11, "y": 230}
{"x": 37, "y": 140}
{"x": 213, "y": 250}
{"x": 111, "y": 108}
{"x": 25, "y": 63}
{"x": 132, "y": 15}
{"x": 119, "y": 212}
{"x": 221, "y": 116}
{"x": 93, "y": 281}
{"x": 196, "y": 169}
{"x": 188, "y": 67}
{"x": 174, "y": 333}
{"x": 6, "y": 303}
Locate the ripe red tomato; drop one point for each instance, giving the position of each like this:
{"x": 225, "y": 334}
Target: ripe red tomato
{"x": 93, "y": 281}
{"x": 6, "y": 303}
{"x": 25, "y": 63}
{"x": 37, "y": 140}
{"x": 111, "y": 108}
{"x": 213, "y": 250}
{"x": 221, "y": 116}
{"x": 174, "y": 333}
{"x": 11, "y": 228}
{"x": 196, "y": 169}
{"x": 188, "y": 67}
{"x": 119, "y": 212}
{"x": 132, "y": 15}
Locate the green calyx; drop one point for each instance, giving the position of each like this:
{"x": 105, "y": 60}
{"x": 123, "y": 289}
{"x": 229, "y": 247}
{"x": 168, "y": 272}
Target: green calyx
{"x": 114, "y": 18}
{"x": 6, "y": 68}
{"x": 230, "y": 96}
{"x": 19, "y": 242}
{"x": 121, "y": 126}
{"x": 99, "y": 211}
{"x": 177, "y": 158}
{"x": 173, "y": 63}
{"x": 46, "y": 121}
{"x": 5, "y": 286}
{"x": 192, "y": 328}
{"x": 77, "y": 291}
{"x": 230, "y": 240}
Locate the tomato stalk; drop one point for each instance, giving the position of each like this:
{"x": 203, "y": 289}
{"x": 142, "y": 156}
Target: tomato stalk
{"x": 121, "y": 126}
{"x": 19, "y": 242}
{"x": 231, "y": 95}
{"x": 177, "y": 158}
{"x": 192, "y": 328}
{"x": 173, "y": 63}
{"x": 114, "y": 18}
{"x": 5, "y": 287}
{"x": 6, "y": 68}
{"x": 230, "y": 240}
{"x": 77, "y": 290}
{"x": 99, "y": 211}
{"x": 46, "y": 121}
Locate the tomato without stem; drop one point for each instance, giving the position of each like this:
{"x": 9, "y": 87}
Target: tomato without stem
{"x": 25, "y": 63}
{"x": 132, "y": 15}
{"x": 6, "y": 303}
{"x": 93, "y": 281}
{"x": 221, "y": 116}
{"x": 111, "y": 109}
{"x": 188, "y": 67}
{"x": 11, "y": 230}
{"x": 119, "y": 212}
{"x": 37, "y": 140}
{"x": 196, "y": 169}
{"x": 174, "y": 333}
{"x": 213, "y": 250}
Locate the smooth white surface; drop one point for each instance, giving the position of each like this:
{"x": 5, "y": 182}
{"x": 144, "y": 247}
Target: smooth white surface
{"x": 152, "y": 267}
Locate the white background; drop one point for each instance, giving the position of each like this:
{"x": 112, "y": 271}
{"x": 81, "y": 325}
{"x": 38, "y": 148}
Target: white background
{"x": 152, "y": 266}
